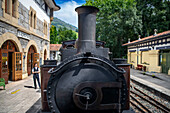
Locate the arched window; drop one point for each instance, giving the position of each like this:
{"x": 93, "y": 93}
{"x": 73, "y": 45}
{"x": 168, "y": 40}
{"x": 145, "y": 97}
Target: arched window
{"x": 46, "y": 29}
{"x": 34, "y": 21}
{"x": 14, "y": 8}
{"x": 31, "y": 19}
{"x": 7, "y": 9}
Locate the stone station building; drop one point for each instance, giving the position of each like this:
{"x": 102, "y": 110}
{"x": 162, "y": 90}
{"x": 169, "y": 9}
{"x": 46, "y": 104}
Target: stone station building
{"x": 150, "y": 53}
{"x": 24, "y": 36}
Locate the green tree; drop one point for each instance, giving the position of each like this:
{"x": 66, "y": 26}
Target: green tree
{"x": 65, "y": 34}
{"x": 62, "y": 34}
{"x": 117, "y": 21}
{"x": 155, "y": 15}
{"x": 53, "y": 35}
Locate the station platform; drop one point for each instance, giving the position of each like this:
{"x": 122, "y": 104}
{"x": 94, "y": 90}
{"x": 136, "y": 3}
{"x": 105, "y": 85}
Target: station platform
{"x": 155, "y": 82}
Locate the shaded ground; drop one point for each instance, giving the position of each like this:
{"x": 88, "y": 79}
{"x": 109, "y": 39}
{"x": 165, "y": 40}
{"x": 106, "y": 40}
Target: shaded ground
{"x": 19, "y": 96}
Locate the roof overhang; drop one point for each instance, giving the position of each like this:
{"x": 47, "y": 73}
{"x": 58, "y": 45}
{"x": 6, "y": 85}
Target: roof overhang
{"x": 166, "y": 33}
{"x": 52, "y": 4}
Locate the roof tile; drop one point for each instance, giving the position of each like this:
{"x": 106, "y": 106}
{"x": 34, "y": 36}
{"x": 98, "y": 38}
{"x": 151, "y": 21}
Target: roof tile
{"x": 55, "y": 47}
{"x": 149, "y": 37}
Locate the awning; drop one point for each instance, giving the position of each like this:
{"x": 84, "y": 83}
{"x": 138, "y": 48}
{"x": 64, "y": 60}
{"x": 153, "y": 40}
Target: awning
{"x": 146, "y": 49}
{"x": 132, "y": 50}
{"x": 164, "y": 47}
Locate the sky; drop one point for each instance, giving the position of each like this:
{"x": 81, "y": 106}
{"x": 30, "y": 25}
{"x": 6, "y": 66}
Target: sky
{"x": 67, "y": 12}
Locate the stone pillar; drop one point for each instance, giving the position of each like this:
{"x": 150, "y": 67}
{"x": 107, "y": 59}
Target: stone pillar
{"x": 153, "y": 61}
{"x": 139, "y": 57}
{"x": 128, "y": 56}
{"x": 135, "y": 60}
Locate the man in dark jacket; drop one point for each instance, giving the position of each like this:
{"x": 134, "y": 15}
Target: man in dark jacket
{"x": 36, "y": 72}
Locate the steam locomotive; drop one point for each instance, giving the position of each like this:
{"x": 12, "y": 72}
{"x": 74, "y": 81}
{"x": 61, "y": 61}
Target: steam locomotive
{"x": 86, "y": 81}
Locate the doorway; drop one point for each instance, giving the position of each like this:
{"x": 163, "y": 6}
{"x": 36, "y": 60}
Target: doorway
{"x": 45, "y": 54}
{"x": 32, "y": 64}
{"x": 10, "y": 65}
{"x": 164, "y": 59}
{"x": 30, "y": 59}
{"x": 7, "y": 49}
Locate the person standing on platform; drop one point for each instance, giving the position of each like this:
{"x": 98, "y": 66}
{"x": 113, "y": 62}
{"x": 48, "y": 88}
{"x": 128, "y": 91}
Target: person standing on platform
{"x": 36, "y": 72}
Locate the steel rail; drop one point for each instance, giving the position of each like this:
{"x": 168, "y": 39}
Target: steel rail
{"x": 160, "y": 106}
{"x": 152, "y": 103}
{"x": 140, "y": 104}
{"x": 133, "y": 104}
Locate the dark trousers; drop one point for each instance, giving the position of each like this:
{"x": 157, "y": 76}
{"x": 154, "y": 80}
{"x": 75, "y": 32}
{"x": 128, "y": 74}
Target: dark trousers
{"x": 36, "y": 76}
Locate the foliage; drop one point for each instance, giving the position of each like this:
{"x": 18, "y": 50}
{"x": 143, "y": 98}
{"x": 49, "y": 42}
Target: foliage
{"x": 117, "y": 21}
{"x": 53, "y": 35}
{"x": 62, "y": 34}
{"x": 153, "y": 76}
{"x": 155, "y": 15}
{"x": 59, "y": 23}
{"x": 65, "y": 34}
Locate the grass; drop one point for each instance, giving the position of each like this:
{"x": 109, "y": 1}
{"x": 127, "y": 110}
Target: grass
{"x": 153, "y": 76}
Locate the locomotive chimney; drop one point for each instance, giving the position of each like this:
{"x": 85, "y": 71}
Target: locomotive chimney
{"x": 86, "y": 28}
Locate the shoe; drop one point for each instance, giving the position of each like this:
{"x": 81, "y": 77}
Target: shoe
{"x": 35, "y": 88}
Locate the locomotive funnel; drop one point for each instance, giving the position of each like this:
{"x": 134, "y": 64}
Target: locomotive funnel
{"x": 86, "y": 28}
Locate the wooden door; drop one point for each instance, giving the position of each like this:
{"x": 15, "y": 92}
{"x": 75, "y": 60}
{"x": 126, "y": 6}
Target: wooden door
{"x": 4, "y": 65}
{"x": 36, "y": 59}
{"x": 0, "y": 63}
{"x": 29, "y": 63}
{"x": 17, "y": 66}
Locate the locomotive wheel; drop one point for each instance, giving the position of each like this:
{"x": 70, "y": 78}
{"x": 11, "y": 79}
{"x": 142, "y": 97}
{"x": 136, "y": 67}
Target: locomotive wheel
{"x": 86, "y": 83}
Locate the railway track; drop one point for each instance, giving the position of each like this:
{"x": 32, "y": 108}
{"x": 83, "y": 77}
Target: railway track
{"x": 144, "y": 103}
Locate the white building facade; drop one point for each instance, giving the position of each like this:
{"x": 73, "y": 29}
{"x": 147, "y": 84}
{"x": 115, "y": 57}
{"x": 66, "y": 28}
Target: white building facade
{"x": 55, "y": 52}
{"x": 24, "y": 36}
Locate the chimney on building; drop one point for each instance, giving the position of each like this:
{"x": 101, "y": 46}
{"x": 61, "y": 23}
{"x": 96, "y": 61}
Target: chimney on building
{"x": 128, "y": 40}
{"x": 139, "y": 37}
{"x": 155, "y": 32}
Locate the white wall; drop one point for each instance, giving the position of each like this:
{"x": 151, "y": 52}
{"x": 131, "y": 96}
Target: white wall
{"x": 40, "y": 12}
{"x": 56, "y": 57}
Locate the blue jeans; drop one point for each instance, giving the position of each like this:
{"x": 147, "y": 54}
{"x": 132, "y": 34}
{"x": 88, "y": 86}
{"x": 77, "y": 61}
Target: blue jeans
{"x": 36, "y": 76}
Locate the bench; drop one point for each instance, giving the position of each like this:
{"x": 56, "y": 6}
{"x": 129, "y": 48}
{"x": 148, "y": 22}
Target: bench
{"x": 2, "y": 82}
{"x": 139, "y": 67}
